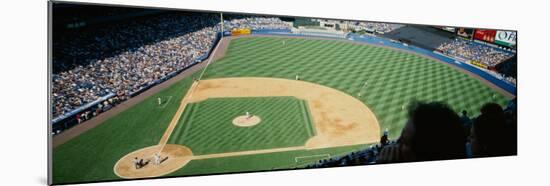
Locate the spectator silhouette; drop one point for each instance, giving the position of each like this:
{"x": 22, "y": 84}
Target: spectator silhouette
{"x": 491, "y": 134}
{"x": 511, "y": 107}
{"x": 466, "y": 122}
{"x": 384, "y": 139}
{"x": 432, "y": 132}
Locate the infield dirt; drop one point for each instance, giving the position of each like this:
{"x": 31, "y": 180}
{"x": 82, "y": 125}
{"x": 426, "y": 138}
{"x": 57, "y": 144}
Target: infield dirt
{"x": 339, "y": 120}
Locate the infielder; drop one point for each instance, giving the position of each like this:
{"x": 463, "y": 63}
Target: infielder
{"x": 157, "y": 158}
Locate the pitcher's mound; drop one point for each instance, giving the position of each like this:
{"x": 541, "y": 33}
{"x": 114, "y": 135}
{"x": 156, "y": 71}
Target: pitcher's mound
{"x": 245, "y": 121}
{"x": 173, "y": 158}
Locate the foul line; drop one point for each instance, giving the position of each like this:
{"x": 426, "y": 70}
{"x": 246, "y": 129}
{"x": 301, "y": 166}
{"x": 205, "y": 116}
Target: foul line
{"x": 184, "y": 102}
{"x": 176, "y": 117}
{"x": 240, "y": 153}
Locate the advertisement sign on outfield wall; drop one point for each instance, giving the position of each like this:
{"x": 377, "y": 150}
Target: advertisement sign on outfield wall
{"x": 479, "y": 64}
{"x": 485, "y": 35}
{"x": 506, "y": 38}
{"x": 240, "y": 31}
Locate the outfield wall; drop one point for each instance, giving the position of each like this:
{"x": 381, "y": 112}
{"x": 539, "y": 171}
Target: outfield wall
{"x": 463, "y": 64}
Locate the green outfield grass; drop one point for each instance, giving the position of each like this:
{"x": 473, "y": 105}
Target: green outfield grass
{"x": 394, "y": 79}
{"x": 206, "y": 127}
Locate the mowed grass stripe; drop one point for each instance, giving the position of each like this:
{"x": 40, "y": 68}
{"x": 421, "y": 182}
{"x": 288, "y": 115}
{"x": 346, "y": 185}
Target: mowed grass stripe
{"x": 185, "y": 119}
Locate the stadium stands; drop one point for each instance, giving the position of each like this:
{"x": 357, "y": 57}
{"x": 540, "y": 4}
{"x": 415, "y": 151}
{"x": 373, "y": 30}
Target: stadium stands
{"x": 256, "y": 23}
{"x": 84, "y": 46}
{"x": 319, "y": 32}
{"x": 105, "y": 65}
{"x": 487, "y": 55}
{"x": 374, "y": 26}
{"x": 508, "y": 68}
{"x": 124, "y": 72}
{"x": 425, "y": 37}
{"x": 73, "y": 16}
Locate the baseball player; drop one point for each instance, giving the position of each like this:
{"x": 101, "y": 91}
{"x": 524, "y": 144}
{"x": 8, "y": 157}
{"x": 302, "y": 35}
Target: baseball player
{"x": 137, "y": 163}
{"x": 159, "y": 100}
{"x": 297, "y": 77}
{"x": 248, "y": 115}
{"x": 157, "y": 158}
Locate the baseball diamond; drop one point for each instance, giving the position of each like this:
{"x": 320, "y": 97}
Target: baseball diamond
{"x": 198, "y": 130}
{"x": 329, "y": 110}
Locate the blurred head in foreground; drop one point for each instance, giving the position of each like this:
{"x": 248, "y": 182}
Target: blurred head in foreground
{"x": 433, "y": 132}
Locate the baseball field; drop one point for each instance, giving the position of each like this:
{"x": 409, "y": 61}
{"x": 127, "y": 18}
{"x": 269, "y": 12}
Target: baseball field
{"x": 269, "y": 103}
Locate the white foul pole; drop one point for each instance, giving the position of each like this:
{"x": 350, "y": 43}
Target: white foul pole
{"x": 221, "y": 23}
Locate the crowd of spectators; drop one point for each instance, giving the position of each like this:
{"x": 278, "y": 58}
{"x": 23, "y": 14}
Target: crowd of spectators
{"x": 124, "y": 72}
{"x": 124, "y": 57}
{"x": 374, "y": 26}
{"x": 487, "y": 55}
{"x": 81, "y": 47}
{"x": 361, "y": 157}
{"x": 503, "y": 62}
{"x": 435, "y": 132}
{"x": 508, "y": 69}
{"x": 511, "y": 79}
{"x": 256, "y": 23}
